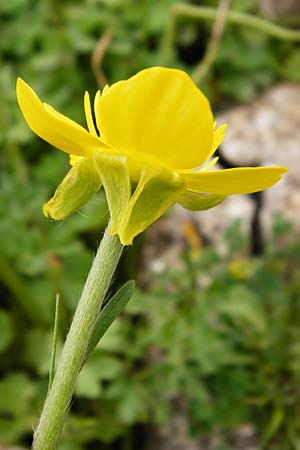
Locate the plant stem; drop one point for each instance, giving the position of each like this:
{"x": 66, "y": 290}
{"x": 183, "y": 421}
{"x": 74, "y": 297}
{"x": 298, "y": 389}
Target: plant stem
{"x": 202, "y": 68}
{"x": 208, "y": 13}
{"x": 49, "y": 430}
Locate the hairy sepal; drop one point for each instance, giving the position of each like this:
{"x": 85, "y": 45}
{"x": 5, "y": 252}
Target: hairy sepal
{"x": 195, "y": 201}
{"x": 114, "y": 174}
{"x": 76, "y": 189}
{"x": 158, "y": 189}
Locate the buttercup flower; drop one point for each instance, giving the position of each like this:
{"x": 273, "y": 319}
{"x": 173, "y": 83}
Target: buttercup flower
{"x": 149, "y": 141}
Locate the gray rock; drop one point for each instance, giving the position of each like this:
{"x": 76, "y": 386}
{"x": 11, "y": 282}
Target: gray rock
{"x": 267, "y": 132}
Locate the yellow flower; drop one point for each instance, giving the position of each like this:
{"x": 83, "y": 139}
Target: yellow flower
{"x": 147, "y": 140}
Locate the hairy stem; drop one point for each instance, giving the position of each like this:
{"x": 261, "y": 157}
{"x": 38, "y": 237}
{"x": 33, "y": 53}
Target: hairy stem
{"x": 57, "y": 403}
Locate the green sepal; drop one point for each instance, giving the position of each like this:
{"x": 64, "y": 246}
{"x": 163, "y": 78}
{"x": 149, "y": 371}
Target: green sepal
{"x": 76, "y": 189}
{"x": 158, "y": 189}
{"x": 196, "y": 201}
{"x": 114, "y": 174}
{"x": 110, "y": 312}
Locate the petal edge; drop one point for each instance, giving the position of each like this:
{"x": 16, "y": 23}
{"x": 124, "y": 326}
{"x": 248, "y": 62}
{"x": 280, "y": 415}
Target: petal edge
{"x": 241, "y": 180}
{"x": 52, "y": 126}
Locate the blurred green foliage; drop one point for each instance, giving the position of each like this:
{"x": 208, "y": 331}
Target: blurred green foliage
{"x": 229, "y": 347}
{"x": 221, "y": 331}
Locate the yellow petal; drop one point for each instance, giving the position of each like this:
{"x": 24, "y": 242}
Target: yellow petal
{"x": 88, "y": 114}
{"x": 96, "y": 106}
{"x": 53, "y": 127}
{"x": 242, "y": 180}
{"x": 210, "y": 164}
{"x": 158, "y": 113}
{"x": 219, "y": 135}
{"x": 157, "y": 190}
{"x": 76, "y": 189}
{"x": 74, "y": 159}
{"x": 114, "y": 174}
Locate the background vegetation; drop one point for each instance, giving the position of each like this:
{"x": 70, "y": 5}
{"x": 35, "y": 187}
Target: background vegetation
{"x": 227, "y": 349}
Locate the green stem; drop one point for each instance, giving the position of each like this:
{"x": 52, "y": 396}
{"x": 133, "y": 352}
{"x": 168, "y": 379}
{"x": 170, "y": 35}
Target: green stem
{"x": 207, "y": 13}
{"x": 202, "y": 68}
{"x": 49, "y": 430}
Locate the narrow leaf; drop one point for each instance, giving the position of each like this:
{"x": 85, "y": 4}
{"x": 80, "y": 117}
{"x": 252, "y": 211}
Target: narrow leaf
{"x": 54, "y": 342}
{"x": 110, "y": 312}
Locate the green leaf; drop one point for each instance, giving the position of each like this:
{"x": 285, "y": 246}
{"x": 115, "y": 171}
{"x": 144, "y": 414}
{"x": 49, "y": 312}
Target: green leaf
{"x": 7, "y": 333}
{"x": 132, "y": 407}
{"x": 110, "y": 312}
{"x": 16, "y": 391}
{"x": 199, "y": 202}
{"x": 105, "y": 427}
{"x": 69, "y": 446}
{"x": 291, "y": 68}
{"x": 76, "y": 189}
{"x": 13, "y": 429}
{"x": 88, "y": 384}
{"x": 115, "y": 338}
{"x": 276, "y": 420}
{"x": 99, "y": 367}
{"x": 106, "y": 367}
{"x": 54, "y": 341}
{"x": 37, "y": 350}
